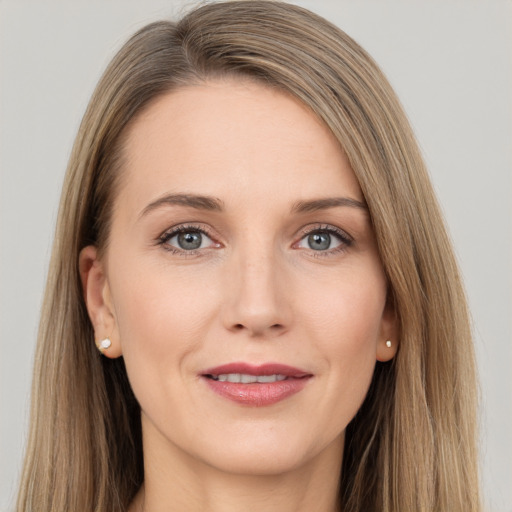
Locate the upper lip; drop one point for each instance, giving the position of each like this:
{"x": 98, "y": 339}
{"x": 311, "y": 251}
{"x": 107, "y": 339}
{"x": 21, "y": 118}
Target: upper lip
{"x": 263, "y": 369}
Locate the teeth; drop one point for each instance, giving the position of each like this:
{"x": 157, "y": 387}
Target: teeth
{"x": 243, "y": 378}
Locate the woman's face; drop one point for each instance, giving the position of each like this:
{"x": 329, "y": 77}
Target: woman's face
{"x": 242, "y": 282}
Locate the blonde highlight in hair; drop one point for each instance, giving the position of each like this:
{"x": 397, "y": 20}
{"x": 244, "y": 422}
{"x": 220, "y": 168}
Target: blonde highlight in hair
{"x": 412, "y": 445}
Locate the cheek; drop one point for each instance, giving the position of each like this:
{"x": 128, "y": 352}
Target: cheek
{"x": 346, "y": 321}
{"x": 161, "y": 317}
{"x": 347, "y": 308}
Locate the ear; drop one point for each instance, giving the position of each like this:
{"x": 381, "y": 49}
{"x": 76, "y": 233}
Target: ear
{"x": 98, "y": 300}
{"x": 388, "y": 333}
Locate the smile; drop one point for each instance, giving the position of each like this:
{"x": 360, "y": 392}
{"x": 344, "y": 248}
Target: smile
{"x": 255, "y": 386}
{"x": 244, "y": 378}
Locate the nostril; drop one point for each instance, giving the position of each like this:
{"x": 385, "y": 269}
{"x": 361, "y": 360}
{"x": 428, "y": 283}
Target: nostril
{"x": 275, "y": 328}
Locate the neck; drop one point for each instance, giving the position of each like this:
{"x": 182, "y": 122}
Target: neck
{"x": 174, "y": 481}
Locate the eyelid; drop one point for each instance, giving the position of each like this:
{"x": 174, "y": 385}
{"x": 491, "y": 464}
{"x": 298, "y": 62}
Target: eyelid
{"x": 170, "y": 233}
{"x": 345, "y": 239}
{"x": 307, "y": 230}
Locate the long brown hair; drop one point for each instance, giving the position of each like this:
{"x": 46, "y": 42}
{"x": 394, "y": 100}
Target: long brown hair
{"x": 412, "y": 445}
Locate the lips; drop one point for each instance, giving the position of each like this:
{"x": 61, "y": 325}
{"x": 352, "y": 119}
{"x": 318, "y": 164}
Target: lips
{"x": 257, "y": 386}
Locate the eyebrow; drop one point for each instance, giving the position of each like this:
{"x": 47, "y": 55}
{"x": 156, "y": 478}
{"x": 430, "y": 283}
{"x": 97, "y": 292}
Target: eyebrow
{"x": 325, "y": 203}
{"x": 209, "y": 203}
{"x": 191, "y": 200}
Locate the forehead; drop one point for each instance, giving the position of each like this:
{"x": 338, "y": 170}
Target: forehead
{"x": 233, "y": 139}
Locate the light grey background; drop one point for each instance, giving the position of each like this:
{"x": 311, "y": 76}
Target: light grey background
{"x": 451, "y": 64}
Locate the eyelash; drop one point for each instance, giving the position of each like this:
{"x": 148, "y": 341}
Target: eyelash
{"x": 164, "y": 238}
{"x": 345, "y": 240}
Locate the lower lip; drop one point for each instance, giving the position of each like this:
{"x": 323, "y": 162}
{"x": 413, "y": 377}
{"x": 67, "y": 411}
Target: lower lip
{"x": 258, "y": 394}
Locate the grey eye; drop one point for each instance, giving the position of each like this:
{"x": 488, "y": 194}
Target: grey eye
{"x": 323, "y": 240}
{"x": 190, "y": 240}
{"x": 319, "y": 241}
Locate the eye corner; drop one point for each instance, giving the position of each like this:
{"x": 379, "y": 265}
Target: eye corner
{"x": 200, "y": 238}
{"x": 324, "y": 247}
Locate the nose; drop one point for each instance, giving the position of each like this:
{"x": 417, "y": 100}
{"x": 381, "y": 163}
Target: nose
{"x": 256, "y": 301}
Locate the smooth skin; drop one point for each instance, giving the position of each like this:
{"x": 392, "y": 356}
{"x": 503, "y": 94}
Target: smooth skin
{"x": 261, "y": 271}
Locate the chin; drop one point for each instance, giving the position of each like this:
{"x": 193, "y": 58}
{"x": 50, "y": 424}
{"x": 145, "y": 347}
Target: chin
{"x": 268, "y": 456}
{"x": 259, "y": 464}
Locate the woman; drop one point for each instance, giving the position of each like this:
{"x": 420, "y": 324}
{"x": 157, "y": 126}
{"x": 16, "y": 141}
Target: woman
{"x": 247, "y": 221}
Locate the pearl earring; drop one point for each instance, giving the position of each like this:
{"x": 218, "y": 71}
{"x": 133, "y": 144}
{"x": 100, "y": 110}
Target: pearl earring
{"x": 388, "y": 344}
{"x": 104, "y": 345}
